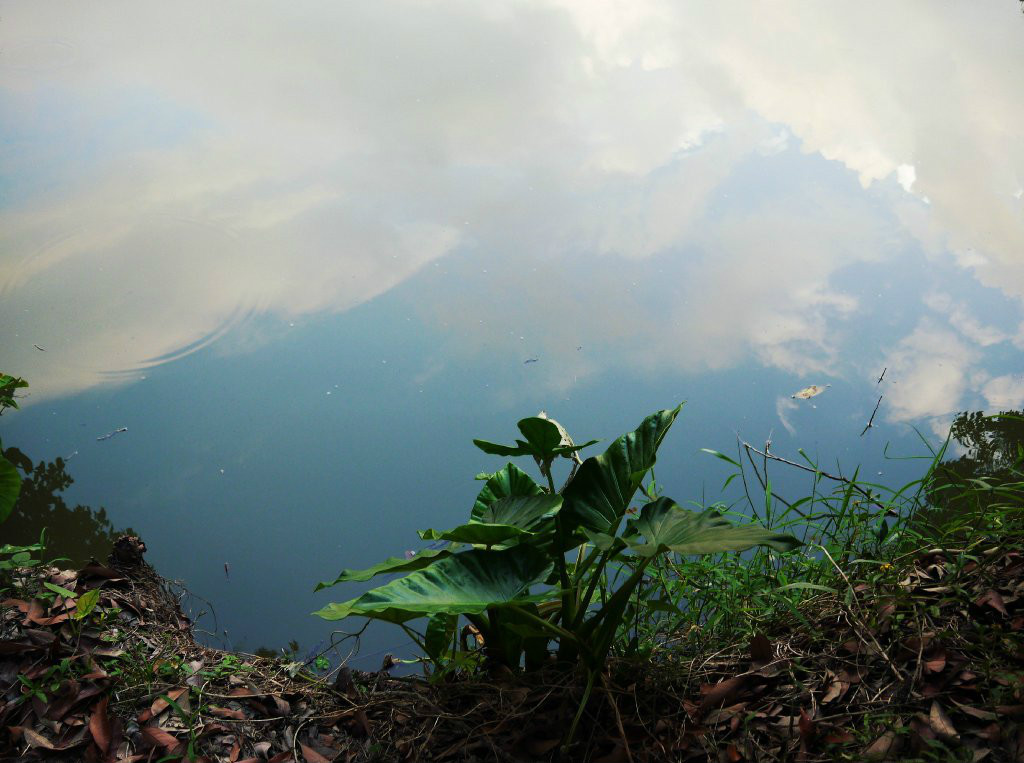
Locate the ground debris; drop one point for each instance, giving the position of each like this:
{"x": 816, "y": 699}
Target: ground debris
{"x": 925, "y": 662}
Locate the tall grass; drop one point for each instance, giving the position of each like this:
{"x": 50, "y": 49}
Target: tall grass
{"x": 852, "y": 528}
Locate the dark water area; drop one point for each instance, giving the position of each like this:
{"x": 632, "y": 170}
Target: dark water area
{"x": 303, "y": 257}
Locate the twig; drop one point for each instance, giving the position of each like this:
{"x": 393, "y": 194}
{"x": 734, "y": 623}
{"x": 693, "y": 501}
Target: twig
{"x": 295, "y": 739}
{"x": 882, "y": 375}
{"x": 844, "y": 480}
{"x": 871, "y": 421}
{"x": 618, "y": 718}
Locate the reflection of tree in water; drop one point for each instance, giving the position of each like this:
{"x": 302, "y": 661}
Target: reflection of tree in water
{"x": 994, "y": 454}
{"x": 76, "y": 532}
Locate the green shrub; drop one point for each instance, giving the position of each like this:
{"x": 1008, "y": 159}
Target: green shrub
{"x": 535, "y": 566}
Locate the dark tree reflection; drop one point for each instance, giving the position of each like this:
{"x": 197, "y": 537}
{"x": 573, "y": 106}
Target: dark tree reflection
{"x": 989, "y": 474}
{"x": 78, "y": 533}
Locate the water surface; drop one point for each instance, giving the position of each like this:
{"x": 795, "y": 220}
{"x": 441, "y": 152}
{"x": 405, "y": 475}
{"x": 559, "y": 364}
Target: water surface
{"x": 305, "y": 255}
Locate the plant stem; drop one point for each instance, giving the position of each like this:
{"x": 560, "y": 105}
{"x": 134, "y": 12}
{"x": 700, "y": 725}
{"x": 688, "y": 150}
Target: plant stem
{"x": 568, "y": 599}
{"x": 585, "y": 602}
{"x": 579, "y": 713}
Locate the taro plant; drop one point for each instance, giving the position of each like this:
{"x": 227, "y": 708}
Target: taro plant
{"x": 530, "y": 567}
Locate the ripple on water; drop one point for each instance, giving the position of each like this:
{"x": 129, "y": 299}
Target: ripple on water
{"x": 44, "y": 55}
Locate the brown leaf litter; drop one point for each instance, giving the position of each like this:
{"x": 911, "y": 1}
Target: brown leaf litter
{"x": 926, "y": 664}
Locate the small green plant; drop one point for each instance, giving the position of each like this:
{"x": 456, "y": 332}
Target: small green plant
{"x": 9, "y": 385}
{"x": 10, "y": 481}
{"x": 46, "y": 685}
{"x": 17, "y": 557}
{"x": 536, "y": 566}
{"x": 228, "y": 666}
{"x": 85, "y": 604}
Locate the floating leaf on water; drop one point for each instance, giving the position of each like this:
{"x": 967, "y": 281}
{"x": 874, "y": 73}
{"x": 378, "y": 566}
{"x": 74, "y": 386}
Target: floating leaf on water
{"x": 812, "y": 391}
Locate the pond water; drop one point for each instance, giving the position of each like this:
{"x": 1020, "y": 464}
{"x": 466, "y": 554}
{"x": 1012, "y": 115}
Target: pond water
{"x": 303, "y": 255}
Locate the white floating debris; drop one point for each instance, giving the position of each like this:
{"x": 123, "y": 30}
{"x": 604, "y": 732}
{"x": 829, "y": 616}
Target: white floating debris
{"x": 809, "y": 392}
{"x": 108, "y": 435}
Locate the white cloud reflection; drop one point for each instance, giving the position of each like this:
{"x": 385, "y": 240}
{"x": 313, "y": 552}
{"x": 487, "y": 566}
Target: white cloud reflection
{"x": 308, "y": 159}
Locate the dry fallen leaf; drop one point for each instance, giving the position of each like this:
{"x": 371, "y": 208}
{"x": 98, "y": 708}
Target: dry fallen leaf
{"x": 36, "y": 739}
{"x": 225, "y": 712}
{"x": 99, "y": 726}
{"x": 719, "y": 694}
{"x": 992, "y": 598}
{"x": 937, "y": 662}
{"x": 157, "y": 737}
{"x": 940, "y": 722}
{"x": 311, "y": 755}
{"x": 808, "y": 392}
{"x": 975, "y": 712}
{"x": 886, "y": 746}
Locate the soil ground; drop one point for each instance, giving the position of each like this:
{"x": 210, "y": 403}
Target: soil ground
{"x": 924, "y": 661}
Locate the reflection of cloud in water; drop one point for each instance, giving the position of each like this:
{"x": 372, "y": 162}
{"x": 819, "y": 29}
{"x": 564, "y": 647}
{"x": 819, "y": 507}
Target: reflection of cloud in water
{"x": 589, "y": 135}
{"x": 155, "y": 288}
{"x": 783, "y": 407}
{"x": 1005, "y": 393}
{"x": 932, "y": 371}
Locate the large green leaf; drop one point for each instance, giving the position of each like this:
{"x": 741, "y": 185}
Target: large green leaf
{"x": 503, "y": 483}
{"x": 542, "y": 435}
{"x": 505, "y": 519}
{"x": 10, "y": 487}
{"x": 543, "y": 441}
{"x": 600, "y": 492}
{"x": 477, "y": 533}
{"x": 466, "y": 583}
{"x": 666, "y": 526}
{"x": 496, "y": 449}
{"x": 525, "y": 511}
{"x": 392, "y": 564}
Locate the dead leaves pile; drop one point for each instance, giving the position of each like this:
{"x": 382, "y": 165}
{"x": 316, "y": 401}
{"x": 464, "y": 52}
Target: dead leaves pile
{"x": 128, "y": 682}
{"x": 922, "y": 661}
{"x": 54, "y": 676}
{"x": 928, "y": 665}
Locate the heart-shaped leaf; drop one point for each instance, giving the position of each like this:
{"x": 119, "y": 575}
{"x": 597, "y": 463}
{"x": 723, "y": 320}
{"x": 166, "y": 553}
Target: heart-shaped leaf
{"x": 477, "y": 533}
{"x": 392, "y": 564}
{"x": 505, "y": 519}
{"x": 666, "y": 526}
{"x": 527, "y": 512}
{"x": 601, "y": 491}
{"x": 510, "y": 481}
{"x": 467, "y": 583}
{"x": 542, "y": 434}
